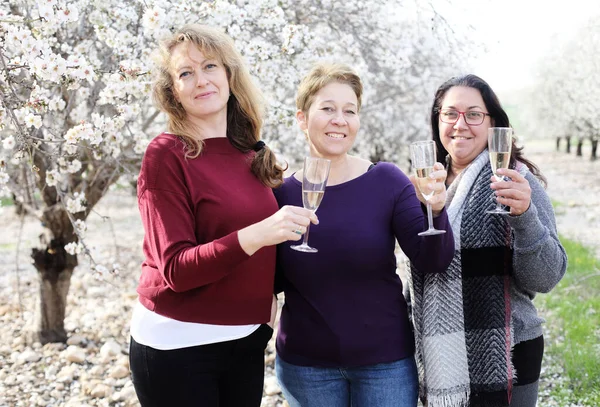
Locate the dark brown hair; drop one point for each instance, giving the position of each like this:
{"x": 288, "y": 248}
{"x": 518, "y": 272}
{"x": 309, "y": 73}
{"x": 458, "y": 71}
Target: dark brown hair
{"x": 498, "y": 117}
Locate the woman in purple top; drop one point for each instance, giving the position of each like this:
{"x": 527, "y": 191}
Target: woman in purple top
{"x": 344, "y": 337}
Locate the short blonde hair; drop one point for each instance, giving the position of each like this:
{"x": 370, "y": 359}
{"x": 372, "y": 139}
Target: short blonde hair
{"x": 321, "y": 75}
{"x": 245, "y": 108}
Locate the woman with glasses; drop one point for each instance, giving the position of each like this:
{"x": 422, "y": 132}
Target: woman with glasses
{"x": 478, "y": 335}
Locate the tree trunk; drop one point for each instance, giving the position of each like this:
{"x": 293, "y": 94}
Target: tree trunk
{"x": 579, "y": 146}
{"x": 557, "y": 143}
{"x": 568, "y": 144}
{"x": 55, "y": 268}
{"x": 594, "y": 148}
{"x": 51, "y": 307}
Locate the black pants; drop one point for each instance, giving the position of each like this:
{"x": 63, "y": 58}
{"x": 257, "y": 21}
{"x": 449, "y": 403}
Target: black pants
{"x": 527, "y": 361}
{"x": 225, "y": 374}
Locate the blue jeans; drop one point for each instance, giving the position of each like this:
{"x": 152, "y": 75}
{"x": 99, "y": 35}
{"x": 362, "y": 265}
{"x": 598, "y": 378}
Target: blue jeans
{"x": 383, "y": 385}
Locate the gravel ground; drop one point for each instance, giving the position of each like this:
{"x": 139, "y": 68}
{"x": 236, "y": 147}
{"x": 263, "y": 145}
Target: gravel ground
{"x": 92, "y": 368}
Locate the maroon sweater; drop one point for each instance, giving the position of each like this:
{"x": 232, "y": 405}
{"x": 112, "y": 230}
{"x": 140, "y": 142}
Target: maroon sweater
{"x": 195, "y": 269}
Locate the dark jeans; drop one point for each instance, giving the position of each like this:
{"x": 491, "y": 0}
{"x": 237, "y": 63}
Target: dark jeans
{"x": 216, "y": 375}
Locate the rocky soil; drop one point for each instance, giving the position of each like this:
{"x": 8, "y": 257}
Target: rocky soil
{"x": 91, "y": 369}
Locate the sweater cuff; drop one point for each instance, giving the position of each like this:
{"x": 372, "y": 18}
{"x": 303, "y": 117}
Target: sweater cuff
{"x": 441, "y": 220}
{"x": 528, "y": 229}
{"x": 229, "y": 247}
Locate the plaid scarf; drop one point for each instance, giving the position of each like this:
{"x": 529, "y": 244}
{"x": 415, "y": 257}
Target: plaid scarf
{"x": 462, "y": 316}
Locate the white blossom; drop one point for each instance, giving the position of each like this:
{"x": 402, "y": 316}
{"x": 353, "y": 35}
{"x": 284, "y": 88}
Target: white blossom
{"x": 8, "y": 143}
{"x": 74, "y": 248}
{"x": 81, "y": 227}
{"x": 33, "y": 120}
{"x": 153, "y": 18}
{"x": 74, "y": 166}
{"x": 76, "y": 203}
{"x": 68, "y": 13}
{"x": 72, "y": 136}
{"x": 53, "y": 177}
{"x": 100, "y": 269}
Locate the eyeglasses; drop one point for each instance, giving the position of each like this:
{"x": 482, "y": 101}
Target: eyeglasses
{"x": 472, "y": 118}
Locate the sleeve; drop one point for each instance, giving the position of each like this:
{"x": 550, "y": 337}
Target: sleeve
{"x": 170, "y": 239}
{"x": 429, "y": 254}
{"x": 539, "y": 261}
{"x": 280, "y": 280}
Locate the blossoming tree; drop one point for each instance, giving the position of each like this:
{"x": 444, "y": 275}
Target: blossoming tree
{"x": 75, "y": 115}
{"x": 566, "y": 99}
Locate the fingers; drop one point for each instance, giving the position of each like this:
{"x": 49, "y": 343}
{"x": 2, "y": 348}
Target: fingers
{"x": 514, "y": 181}
{"x": 436, "y": 183}
{"x": 299, "y": 230}
{"x": 512, "y": 174}
{"x": 514, "y": 191}
{"x": 438, "y": 179}
{"x": 298, "y": 215}
{"x": 294, "y": 222}
{"x": 439, "y": 173}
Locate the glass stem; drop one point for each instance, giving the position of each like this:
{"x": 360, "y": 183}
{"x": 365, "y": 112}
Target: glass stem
{"x": 305, "y": 241}
{"x": 499, "y": 206}
{"x": 429, "y": 216}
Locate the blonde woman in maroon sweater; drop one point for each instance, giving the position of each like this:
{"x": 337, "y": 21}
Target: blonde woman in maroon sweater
{"x": 205, "y": 196}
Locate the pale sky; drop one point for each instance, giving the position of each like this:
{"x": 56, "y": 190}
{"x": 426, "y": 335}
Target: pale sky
{"x": 518, "y": 32}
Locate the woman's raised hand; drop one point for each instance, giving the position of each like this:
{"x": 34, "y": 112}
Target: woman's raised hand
{"x": 514, "y": 192}
{"x": 288, "y": 223}
{"x": 438, "y": 185}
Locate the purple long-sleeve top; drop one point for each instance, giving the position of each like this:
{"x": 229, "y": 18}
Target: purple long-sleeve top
{"x": 344, "y": 305}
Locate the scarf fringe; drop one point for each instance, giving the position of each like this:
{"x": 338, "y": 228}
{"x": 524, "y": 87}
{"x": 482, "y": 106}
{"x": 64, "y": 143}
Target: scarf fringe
{"x": 449, "y": 400}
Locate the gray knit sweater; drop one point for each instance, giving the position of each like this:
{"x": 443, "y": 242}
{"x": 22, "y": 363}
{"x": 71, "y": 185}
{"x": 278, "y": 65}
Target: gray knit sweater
{"x": 539, "y": 261}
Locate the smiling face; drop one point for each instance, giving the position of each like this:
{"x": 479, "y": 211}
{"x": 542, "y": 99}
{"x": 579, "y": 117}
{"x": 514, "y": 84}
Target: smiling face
{"x": 332, "y": 121}
{"x": 462, "y": 141}
{"x": 200, "y": 83}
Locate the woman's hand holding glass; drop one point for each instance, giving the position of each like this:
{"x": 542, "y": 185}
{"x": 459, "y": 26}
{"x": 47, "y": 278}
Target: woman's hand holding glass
{"x": 423, "y": 155}
{"x": 437, "y": 184}
{"x": 314, "y": 180}
{"x": 514, "y": 191}
{"x": 288, "y": 223}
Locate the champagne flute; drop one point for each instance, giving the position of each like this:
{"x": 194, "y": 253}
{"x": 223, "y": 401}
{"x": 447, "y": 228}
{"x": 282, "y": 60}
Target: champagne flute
{"x": 314, "y": 180}
{"x": 423, "y": 159}
{"x": 499, "y": 146}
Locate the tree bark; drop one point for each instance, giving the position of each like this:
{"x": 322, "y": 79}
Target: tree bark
{"x": 579, "y": 147}
{"x": 55, "y": 268}
{"x": 568, "y": 144}
{"x": 557, "y": 143}
{"x": 593, "y": 157}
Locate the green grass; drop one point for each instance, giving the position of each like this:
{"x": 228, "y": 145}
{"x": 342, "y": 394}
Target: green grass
{"x": 572, "y": 310}
{"x": 6, "y": 201}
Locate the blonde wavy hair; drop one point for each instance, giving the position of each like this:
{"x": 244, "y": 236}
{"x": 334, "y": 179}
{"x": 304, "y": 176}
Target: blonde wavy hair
{"x": 321, "y": 75}
{"x": 245, "y": 107}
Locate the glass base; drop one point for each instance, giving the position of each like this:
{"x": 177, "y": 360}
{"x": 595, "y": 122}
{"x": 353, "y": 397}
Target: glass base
{"x": 304, "y": 248}
{"x": 431, "y": 232}
{"x": 498, "y": 212}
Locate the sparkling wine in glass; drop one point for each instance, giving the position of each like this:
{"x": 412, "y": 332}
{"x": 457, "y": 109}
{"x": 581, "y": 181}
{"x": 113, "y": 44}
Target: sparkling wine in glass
{"x": 499, "y": 146}
{"x": 423, "y": 159}
{"x": 314, "y": 180}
